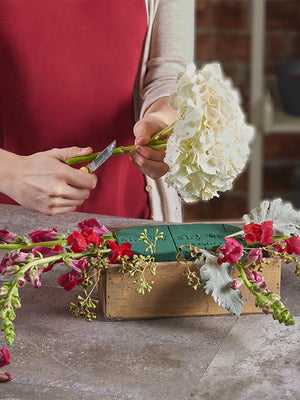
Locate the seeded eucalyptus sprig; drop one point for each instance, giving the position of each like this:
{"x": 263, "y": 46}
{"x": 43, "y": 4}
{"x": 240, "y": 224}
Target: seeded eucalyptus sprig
{"x": 140, "y": 264}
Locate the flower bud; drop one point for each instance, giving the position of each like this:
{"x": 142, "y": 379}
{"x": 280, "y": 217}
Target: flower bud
{"x": 21, "y": 282}
{"x": 4, "y": 357}
{"x": 5, "y": 377}
{"x": 235, "y": 284}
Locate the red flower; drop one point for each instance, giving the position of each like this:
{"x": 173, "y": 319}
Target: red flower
{"x": 71, "y": 279}
{"x": 6, "y": 236}
{"x": 290, "y": 245}
{"x": 4, "y": 357}
{"x": 231, "y": 252}
{"x": 68, "y": 281}
{"x": 43, "y": 236}
{"x": 119, "y": 251}
{"x": 262, "y": 233}
{"x": 94, "y": 224}
{"x": 78, "y": 242}
{"x": 91, "y": 236}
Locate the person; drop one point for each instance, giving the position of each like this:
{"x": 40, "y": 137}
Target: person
{"x": 73, "y": 77}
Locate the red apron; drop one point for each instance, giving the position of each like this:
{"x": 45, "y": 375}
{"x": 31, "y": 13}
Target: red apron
{"x": 67, "y": 71}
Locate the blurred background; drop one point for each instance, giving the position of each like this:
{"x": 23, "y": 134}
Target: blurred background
{"x": 257, "y": 43}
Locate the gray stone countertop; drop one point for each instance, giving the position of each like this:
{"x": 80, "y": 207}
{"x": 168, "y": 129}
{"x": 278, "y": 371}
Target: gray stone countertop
{"x": 58, "y": 356}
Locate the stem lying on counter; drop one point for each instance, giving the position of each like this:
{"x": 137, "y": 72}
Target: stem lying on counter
{"x": 155, "y": 143}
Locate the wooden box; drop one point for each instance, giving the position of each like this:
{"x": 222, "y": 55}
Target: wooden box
{"x": 171, "y": 296}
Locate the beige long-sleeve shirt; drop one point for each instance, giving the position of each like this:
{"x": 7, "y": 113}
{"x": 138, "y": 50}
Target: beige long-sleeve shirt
{"x": 169, "y": 47}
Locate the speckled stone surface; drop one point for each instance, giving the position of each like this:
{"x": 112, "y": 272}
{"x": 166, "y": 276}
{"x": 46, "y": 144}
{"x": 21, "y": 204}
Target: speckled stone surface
{"x": 57, "y": 356}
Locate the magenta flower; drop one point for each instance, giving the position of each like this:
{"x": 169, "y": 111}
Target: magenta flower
{"x": 34, "y": 278}
{"x": 254, "y": 256}
{"x": 14, "y": 258}
{"x": 94, "y": 224}
{"x": 47, "y": 251}
{"x": 235, "y": 284}
{"x": 6, "y": 236}
{"x": 231, "y": 252}
{"x": 4, "y": 357}
{"x": 43, "y": 236}
{"x": 257, "y": 278}
{"x": 79, "y": 265}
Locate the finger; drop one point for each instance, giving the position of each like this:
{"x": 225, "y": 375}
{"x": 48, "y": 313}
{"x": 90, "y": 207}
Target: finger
{"x": 70, "y": 152}
{"x": 151, "y": 154}
{"x": 154, "y": 169}
{"x": 59, "y": 210}
{"x": 147, "y": 127}
{"x": 80, "y": 179}
{"x": 54, "y": 205}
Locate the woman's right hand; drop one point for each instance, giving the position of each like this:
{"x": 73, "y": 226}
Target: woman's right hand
{"x": 44, "y": 182}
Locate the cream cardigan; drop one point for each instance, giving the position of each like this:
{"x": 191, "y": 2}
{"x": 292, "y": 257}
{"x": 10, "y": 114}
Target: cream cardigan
{"x": 168, "y": 48}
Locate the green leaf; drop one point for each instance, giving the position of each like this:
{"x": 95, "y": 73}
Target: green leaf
{"x": 216, "y": 281}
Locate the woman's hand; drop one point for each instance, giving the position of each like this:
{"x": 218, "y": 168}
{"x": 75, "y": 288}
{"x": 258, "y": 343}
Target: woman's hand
{"x": 150, "y": 161}
{"x": 43, "y": 182}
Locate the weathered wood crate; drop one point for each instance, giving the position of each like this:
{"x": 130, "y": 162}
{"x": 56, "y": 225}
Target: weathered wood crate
{"x": 171, "y": 296}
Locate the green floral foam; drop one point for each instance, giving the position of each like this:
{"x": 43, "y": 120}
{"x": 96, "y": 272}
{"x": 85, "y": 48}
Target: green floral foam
{"x": 203, "y": 236}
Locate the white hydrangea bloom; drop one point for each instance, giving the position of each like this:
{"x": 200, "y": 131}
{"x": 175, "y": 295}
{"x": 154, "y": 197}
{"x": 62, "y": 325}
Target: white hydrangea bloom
{"x": 209, "y": 145}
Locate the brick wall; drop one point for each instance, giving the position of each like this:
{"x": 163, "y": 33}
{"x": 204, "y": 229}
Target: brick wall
{"x": 223, "y": 35}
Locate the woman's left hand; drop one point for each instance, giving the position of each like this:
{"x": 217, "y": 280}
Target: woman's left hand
{"x": 150, "y": 161}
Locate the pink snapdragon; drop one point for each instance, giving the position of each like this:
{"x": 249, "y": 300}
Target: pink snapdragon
{"x": 256, "y": 277}
{"x": 231, "y": 252}
{"x": 6, "y": 236}
{"x": 9, "y": 262}
{"x": 94, "y": 224}
{"x": 235, "y": 284}
{"x": 254, "y": 256}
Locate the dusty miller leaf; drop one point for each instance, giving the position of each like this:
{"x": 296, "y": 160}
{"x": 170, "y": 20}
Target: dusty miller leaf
{"x": 286, "y": 220}
{"x": 217, "y": 278}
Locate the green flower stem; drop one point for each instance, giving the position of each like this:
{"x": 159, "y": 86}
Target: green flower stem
{"x": 155, "y": 143}
{"x": 51, "y": 260}
{"x": 280, "y": 313}
{"x": 18, "y": 246}
{"x": 245, "y": 280}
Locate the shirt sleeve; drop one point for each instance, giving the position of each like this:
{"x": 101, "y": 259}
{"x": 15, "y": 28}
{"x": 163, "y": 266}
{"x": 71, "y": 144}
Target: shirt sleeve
{"x": 169, "y": 47}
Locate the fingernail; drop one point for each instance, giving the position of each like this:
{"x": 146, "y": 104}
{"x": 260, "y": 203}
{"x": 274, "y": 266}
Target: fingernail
{"x": 132, "y": 155}
{"x": 142, "y": 140}
{"x": 85, "y": 149}
{"x": 139, "y": 150}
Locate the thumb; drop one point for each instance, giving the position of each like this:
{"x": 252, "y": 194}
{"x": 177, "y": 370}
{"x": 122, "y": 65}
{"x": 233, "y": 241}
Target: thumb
{"x": 142, "y": 133}
{"x": 147, "y": 127}
{"x": 70, "y": 152}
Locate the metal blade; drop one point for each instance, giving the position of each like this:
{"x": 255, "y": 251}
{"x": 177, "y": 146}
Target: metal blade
{"x": 102, "y": 157}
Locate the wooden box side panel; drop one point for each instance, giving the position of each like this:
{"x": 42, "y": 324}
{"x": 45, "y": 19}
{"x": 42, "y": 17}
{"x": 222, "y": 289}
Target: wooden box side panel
{"x": 171, "y": 296}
